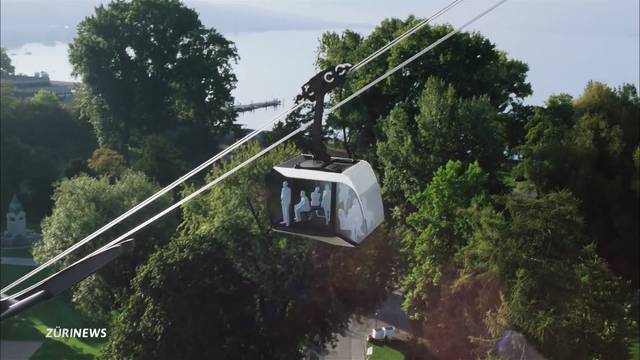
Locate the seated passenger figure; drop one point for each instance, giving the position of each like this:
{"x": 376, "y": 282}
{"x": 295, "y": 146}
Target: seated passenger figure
{"x": 315, "y": 197}
{"x": 302, "y": 206}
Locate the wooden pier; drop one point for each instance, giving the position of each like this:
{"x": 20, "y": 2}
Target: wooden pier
{"x": 258, "y": 105}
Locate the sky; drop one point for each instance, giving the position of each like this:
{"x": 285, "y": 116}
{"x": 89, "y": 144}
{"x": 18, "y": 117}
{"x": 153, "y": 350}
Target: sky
{"x": 565, "y": 43}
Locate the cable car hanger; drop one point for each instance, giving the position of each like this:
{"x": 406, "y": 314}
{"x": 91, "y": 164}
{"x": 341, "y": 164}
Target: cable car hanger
{"x": 19, "y": 296}
{"x": 314, "y": 90}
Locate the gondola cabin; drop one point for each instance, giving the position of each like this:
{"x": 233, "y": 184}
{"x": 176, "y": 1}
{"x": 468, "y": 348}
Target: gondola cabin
{"x": 338, "y": 202}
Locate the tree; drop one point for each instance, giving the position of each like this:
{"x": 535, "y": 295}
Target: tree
{"x": 106, "y": 162}
{"x": 5, "y": 63}
{"x": 36, "y": 150}
{"x": 179, "y": 293}
{"x": 45, "y": 98}
{"x": 84, "y": 204}
{"x": 558, "y": 291}
{"x": 151, "y": 67}
{"x": 438, "y": 229}
{"x": 442, "y": 127}
{"x": 292, "y": 122}
{"x": 158, "y": 158}
{"x": 594, "y": 137}
{"x": 467, "y": 61}
{"x": 267, "y": 295}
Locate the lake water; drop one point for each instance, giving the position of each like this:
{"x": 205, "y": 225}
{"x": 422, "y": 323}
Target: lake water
{"x": 274, "y": 64}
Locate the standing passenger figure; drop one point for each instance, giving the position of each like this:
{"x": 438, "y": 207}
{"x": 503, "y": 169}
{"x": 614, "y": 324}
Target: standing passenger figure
{"x": 285, "y": 201}
{"x": 326, "y": 203}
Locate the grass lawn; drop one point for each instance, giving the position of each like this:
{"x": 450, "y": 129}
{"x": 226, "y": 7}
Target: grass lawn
{"x": 33, "y": 324}
{"x": 392, "y": 350}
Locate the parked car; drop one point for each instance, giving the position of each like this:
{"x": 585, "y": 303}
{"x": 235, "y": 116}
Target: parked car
{"x": 382, "y": 333}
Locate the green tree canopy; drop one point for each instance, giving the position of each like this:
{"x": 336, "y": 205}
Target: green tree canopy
{"x": 467, "y": 61}
{"x": 36, "y": 151}
{"x": 558, "y": 291}
{"x": 45, "y": 98}
{"x": 438, "y": 229}
{"x": 443, "y": 127}
{"x": 84, "y": 204}
{"x": 106, "y": 162}
{"x": 267, "y": 295}
{"x": 587, "y": 145}
{"x": 151, "y": 67}
{"x": 159, "y": 158}
{"x": 5, "y": 63}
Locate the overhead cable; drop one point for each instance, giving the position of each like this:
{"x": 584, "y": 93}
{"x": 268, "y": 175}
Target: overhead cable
{"x": 242, "y": 141}
{"x": 405, "y": 35}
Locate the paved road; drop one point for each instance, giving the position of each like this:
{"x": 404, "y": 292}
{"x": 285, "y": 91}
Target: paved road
{"x": 18, "y": 350}
{"x": 22, "y": 261}
{"x": 351, "y": 346}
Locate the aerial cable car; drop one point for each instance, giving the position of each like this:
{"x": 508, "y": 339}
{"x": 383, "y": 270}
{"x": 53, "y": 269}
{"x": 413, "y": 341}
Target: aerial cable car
{"x": 331, "y": 199}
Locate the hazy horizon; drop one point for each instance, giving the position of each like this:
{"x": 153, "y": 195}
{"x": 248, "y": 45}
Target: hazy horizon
{"x": 566, "y": 44}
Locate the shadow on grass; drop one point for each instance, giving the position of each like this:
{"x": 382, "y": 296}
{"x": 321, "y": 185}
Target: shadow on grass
{"x": 58, "y": 312}
{"x": 32, "y": 324}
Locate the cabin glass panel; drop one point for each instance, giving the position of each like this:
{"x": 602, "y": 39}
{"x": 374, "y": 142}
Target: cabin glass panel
{"x": 303, "y": 206}
{"x": 351, "y": 222}
{"x": 372, "y": 208}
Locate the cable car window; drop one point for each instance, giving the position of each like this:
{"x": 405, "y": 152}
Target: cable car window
{"x": 349, "y": 216}
{"x": 372, "y": 207}
{"x": 300, "y": 205}
{"x": 311, "y": 204}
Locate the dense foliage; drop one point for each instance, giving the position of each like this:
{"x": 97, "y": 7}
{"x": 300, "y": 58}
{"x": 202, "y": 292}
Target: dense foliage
{"x": 84, "y": 204}
{"x": 439, "y": 228}
{"x": 468, "y": 62}
{"x": 530, "y": 258}
{"x": 558, "y": 291}
{"x": 591, "y": 146}
{"x": 447, "y": 133}
{"x": 151, "y": 68}
{"x": 6, "y": 68}
{"x": 106, "y": 162}
{"x": 443, "y": 127}
{"x": 227, "y": 287}
{"x": 501, "y": 216}
{"x": 36, "y": 151}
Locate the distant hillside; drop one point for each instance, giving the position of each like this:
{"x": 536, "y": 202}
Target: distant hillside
{"x": 28, "y": 21}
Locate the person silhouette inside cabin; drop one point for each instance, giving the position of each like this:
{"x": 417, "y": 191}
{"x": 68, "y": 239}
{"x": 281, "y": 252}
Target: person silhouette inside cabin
{"x": 315, "y": 198}
{"x": 302, "y": 206}
{"x": 326, "y": 203}
{"x": 285, "y": 201}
